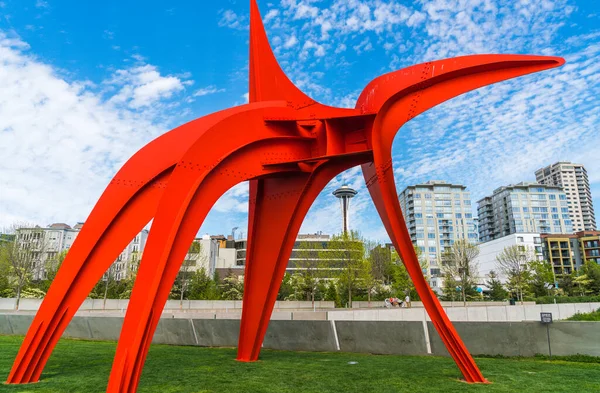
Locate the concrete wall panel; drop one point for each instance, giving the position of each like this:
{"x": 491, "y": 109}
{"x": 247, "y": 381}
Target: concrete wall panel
{"x": 5, "y": 327}
{"x": 281, "y": 316}
{"x": 217, "y": 332}
{"x": 582, "y": 308}
{"x": 456, "y": 314}
{"x": 309, "y": 316}
{"x": 379, "y": 337}
{"x": 177, "y": 305}
{"x": 532, "y": 313}
{"x": 515, "y": 313}
{"x": 574, "y": 337}
{"x": 495, "y": 338}
{"x": 300, "y": 336}
{"x": 122, "y": 304}
{"x": 29, "y": 304}
{"x": 105, "y": 328}
{"x": 111, "y": 304}
{"x": 20, "y": 323}
{"x": 552, "y": 308}
{"x": 7, "y": 303}
{"x": 496, "y": 314}
{"x": 174, "y": 331}
{"x": 477, "y": 313}
{"x": 88, "y": 304}
{"x": 566, "y": 310}
{"x": 78, "y": 328}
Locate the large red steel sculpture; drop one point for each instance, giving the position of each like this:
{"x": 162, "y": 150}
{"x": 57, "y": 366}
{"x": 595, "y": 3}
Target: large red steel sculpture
{"x": 288, "y": 146}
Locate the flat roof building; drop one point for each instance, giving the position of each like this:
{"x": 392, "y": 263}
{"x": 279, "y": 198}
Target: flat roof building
{"x": 437, "y": 213}
{"x": 523, "y": 208}
{"x": 530, "y": 245}
{"x": 574, "y": 181}
{"x": 568, "y": 252}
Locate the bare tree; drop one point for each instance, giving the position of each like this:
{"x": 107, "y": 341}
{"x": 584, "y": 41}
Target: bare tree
{"x": 513, "y": 262}
{"x": 25, "y": 255}
{"x": 109, "y": 275}
{"x": 194, "y": 257}
{"x": 459, "y": 264}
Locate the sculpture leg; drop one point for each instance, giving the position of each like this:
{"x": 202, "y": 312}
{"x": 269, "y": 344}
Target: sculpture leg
{"x": 273, "y": 203}
{"x": 86, "y": 262}
{"x": 277, "y": 208}
{"x": 381, "y": 184}
{"x": 186, "y": 202}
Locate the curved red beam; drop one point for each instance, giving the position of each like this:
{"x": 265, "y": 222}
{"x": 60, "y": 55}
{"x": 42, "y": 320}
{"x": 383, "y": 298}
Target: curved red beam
{"x": 289, "y": 147}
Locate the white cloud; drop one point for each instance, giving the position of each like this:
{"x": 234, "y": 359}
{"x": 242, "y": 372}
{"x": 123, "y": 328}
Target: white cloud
{"x": 271, "y": 14}
{"x": 41, "y": 4}
{"x": 232, "y": 20}
{"x": 290, "y": 42}
{"x": 61, "y": 141}
{"x": 142, "y": 85}
{"x": 207, "y": 91}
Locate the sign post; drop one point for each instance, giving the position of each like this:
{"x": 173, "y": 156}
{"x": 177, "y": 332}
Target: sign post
{"x": 546, "y": 319}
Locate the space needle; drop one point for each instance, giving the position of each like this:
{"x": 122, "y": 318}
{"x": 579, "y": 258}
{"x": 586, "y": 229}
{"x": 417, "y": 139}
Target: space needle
{"x": 344, "y": 194}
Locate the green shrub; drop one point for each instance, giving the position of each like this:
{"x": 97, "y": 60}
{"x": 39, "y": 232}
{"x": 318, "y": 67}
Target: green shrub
{"x": 588, "y": 316}
{"x": 566, "y": 299}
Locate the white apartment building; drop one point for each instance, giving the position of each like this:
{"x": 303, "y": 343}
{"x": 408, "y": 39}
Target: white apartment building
{"x": 437, "y": 213}
{"x": 207, "y": 257}
{"x": 529, "y": 243}
{"x": 573, "y": 179}
{"x": 523, "y": 208}
{"x": 47, "y": 243}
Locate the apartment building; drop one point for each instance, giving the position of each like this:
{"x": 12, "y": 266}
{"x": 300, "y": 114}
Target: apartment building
{"x": 529, "y": 244}
{"x": 568, "y": 252}
{"x": 437, "y": 213}
{"x": 573, "y": 179}
{"x": 47, "y": 243}
{"x": 523, "y": 208}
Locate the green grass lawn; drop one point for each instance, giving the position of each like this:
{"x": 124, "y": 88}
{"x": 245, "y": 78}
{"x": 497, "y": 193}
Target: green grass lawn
{"x": 84, "y": 366}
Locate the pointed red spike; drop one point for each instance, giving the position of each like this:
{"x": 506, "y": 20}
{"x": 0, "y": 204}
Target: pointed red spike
{"x": 268, "y": 82}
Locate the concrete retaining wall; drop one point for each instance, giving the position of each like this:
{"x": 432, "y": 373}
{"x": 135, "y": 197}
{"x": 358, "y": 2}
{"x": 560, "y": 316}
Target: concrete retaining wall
{"x": 496, "y": 313}
{"x": 121, "y": 304}
{"x": 378, "y": 337}
{"x": 377, "y": 304}
{"x": 406, "y": 338}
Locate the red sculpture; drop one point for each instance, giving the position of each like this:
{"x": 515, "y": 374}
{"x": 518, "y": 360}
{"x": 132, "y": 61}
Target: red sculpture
{"x": 289, "y": 147}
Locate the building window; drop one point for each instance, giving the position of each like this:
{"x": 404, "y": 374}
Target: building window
{"x": 520, "y": 239}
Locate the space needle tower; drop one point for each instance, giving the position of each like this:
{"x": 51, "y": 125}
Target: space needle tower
{"x": 344, "y": 194}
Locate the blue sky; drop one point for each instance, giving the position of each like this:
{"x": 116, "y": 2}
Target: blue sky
{"x": 83, "y": 85}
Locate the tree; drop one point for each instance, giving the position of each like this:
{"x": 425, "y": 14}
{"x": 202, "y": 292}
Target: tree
{"x": 332, "y": 294}
{"x": 109, "y": 276}
{"x": 346, "y": 252}
{"x": 5, "y": 287}
{"x": 232, "y": 288}
{"x": 449, "y": 288}
{"x": 541, "y": 277}
{"x": 582, "y": 281}
{"x": 459, "y": 264}
{"x": 310, "y": 270}
{"x": 285, "y": 290}
{"x": 193, "y": 258}
{"x": 592, "y": 271}
{"x": 24, "y": 256}
{"x": 496, "y": 289}
{"x": 400, "y": 281}
{"x": 202, "y": 287}
{"x": 566, "y": 283}
{"x": 514, "y": 262}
